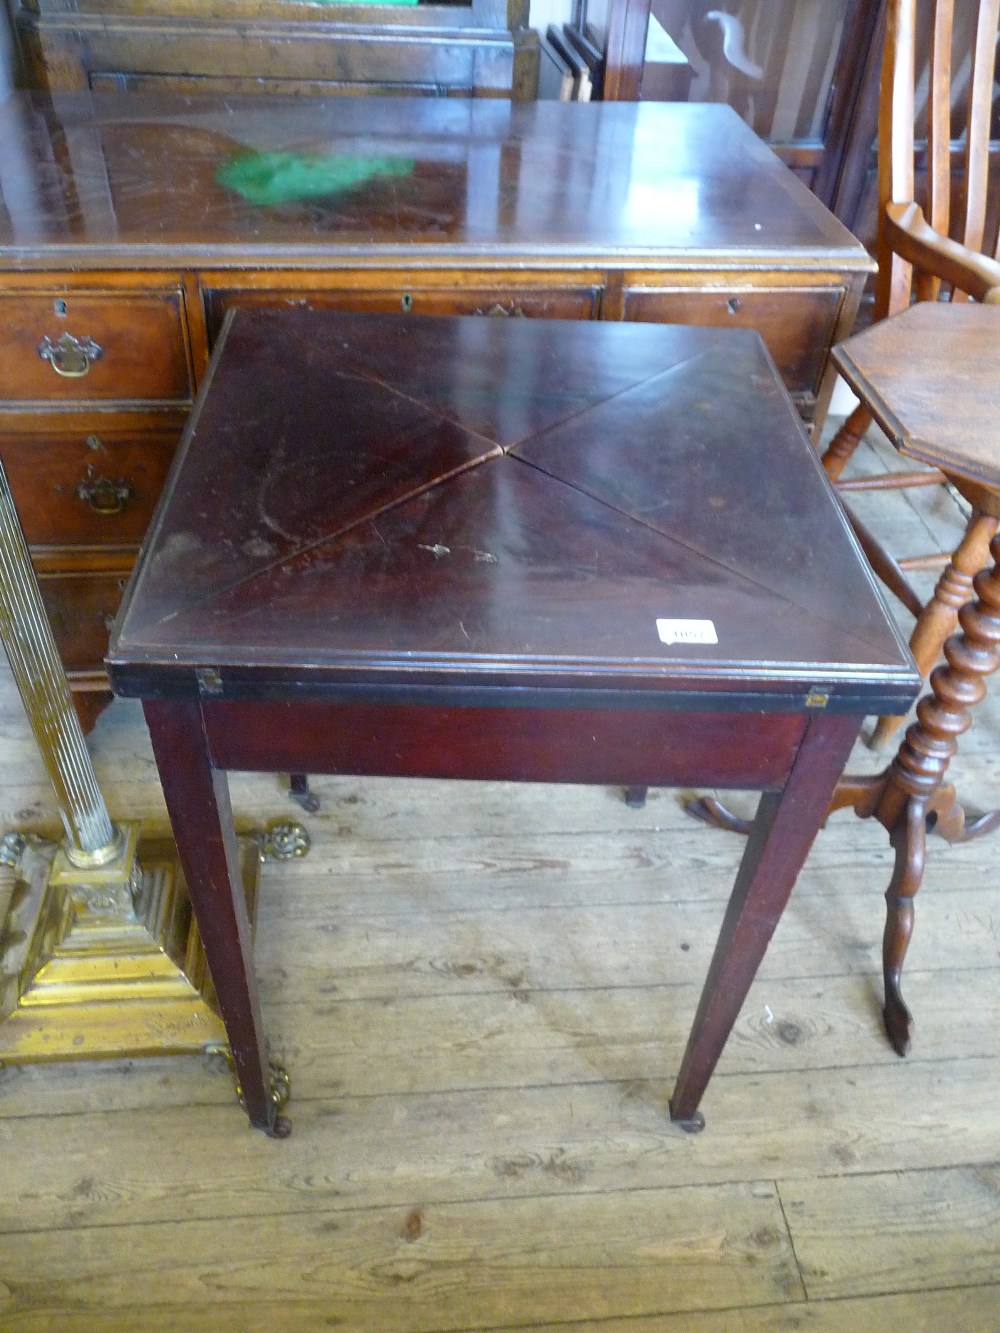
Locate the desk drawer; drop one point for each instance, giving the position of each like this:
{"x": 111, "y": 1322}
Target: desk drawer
{"x": 499, "y": 299}
{"x": 796, "y": 323}
{"x": 81, "y": 608}
{"x": 87, "y": 485}
{"x": 67, "y": 346}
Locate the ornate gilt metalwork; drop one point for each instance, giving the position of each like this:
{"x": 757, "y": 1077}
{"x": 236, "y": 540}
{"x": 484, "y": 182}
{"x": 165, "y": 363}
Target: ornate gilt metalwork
{"x": 12, "y": 846}
{"x": 68, "y": 356}
{"x": 279, "y": 1081}
{"x": 285, "y": 841}
{"x": 100, "y": 921}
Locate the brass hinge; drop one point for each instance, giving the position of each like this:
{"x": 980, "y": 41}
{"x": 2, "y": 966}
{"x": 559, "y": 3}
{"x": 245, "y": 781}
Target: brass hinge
{"x": 209, "y": 680}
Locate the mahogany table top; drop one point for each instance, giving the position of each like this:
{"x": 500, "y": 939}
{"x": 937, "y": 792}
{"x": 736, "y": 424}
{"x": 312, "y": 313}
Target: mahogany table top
{"x": 363, "y": 502}
{"x": 138, "y": 179}
{"x": 931, "y": 376}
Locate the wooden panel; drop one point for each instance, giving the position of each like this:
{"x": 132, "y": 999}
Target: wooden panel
{"x": 560, "y": 745}
{"x": 796, "y": 324}
{"x": 74, "y": 483}
{"x": 455, "y": 48}
{"x": 553, "y": 302}
{"x": 139, "y": 337}
{"x": 80, "y": 609}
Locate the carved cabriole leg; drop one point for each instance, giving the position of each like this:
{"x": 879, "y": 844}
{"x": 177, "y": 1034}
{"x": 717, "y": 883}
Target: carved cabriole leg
{"x": 913, "y": 796}
{"x": 842, "y": 447}
{"x": 197, "y": 797}
{"x": 782, "y": 833}
{"x": 940, "y": 616}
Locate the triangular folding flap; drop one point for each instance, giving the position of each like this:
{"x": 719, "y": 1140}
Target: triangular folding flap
{"x": 267, "y": 475}
{"x": 499, "y": 382}
{"x": 673, "y": 470}
{"x": 500, "y": 566}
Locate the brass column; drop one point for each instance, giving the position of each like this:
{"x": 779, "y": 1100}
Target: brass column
{"x": 99, "y": 954}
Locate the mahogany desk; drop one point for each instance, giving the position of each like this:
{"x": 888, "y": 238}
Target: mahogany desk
{"x": 130, "y": 224}
{"x": 510, "y": 549}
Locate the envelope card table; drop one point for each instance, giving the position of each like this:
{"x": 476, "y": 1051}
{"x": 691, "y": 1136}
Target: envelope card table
{"x": 549, "y": 551}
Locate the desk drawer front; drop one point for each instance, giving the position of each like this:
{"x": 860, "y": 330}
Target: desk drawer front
{"x": 81, "y": 608}
{"x": 87, "y": 487}
{"x": 499, "y": 300}
{"x": 797, "y": 324}
{"x": 63, "y": 346}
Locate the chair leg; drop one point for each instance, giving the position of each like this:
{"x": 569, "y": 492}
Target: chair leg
{"x": 841, "y": 448}
{"x": 884, "y": 565}
{"x": 300, "y": 792}
{"x": 939, "y": 618}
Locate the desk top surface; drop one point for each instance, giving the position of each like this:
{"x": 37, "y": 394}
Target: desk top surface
{"x": 377, "y": 502}
{"x": 932, "y": 377}
{"x": 137, "y": 180}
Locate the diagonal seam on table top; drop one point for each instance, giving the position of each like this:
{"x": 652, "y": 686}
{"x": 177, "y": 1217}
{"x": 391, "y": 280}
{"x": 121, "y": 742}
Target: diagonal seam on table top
{"x": 680, "y": 542}
{"x": 570, "y": 415}
{"x": 228, "y": 617}
{"x": 353, "y": 371}
{"x": 776, "y": 595}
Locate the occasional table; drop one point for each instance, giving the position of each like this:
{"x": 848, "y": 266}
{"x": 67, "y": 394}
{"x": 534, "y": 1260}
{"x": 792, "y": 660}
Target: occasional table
{"x": 501, "y": 549}
{"x": 931, "y": 378}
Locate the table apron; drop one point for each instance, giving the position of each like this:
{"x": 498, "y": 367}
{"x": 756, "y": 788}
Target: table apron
{"x": 651, "y": 747}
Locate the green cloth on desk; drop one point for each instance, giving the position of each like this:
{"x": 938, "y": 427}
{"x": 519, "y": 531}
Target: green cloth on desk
{"x": 279, "y": 177}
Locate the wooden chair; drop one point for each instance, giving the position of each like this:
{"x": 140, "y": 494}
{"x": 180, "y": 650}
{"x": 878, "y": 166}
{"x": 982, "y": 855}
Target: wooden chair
{"x": 929, "y": 252}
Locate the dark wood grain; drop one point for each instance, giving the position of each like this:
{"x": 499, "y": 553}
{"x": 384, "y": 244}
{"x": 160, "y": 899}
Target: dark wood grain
{"x": 445, "y": 554}
{"x": 562, "y": 177}
{"x": 535, "y": 531}
{"x": 197, "y": 797}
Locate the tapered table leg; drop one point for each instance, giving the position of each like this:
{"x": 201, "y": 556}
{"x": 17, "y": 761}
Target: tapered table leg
{"x": 782, "y": 833}
{"x": 197, "y": 797}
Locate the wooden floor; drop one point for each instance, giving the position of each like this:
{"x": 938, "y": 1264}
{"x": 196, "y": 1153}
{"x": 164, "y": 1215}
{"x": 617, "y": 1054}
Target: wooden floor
{"x": 482, "y": 994}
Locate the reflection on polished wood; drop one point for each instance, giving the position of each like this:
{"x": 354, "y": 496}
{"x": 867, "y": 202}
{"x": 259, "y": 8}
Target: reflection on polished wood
{"x": 137, "y": 222}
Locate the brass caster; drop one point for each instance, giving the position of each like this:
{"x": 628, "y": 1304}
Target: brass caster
{"x": 284, "y": 842}
{"x": 279, "y": 1082}
{"x": 279, "y": 1085}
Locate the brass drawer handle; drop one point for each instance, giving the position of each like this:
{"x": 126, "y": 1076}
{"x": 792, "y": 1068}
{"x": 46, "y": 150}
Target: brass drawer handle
{"x": 69, "y": 356}
{"x": 104, "y": 494}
